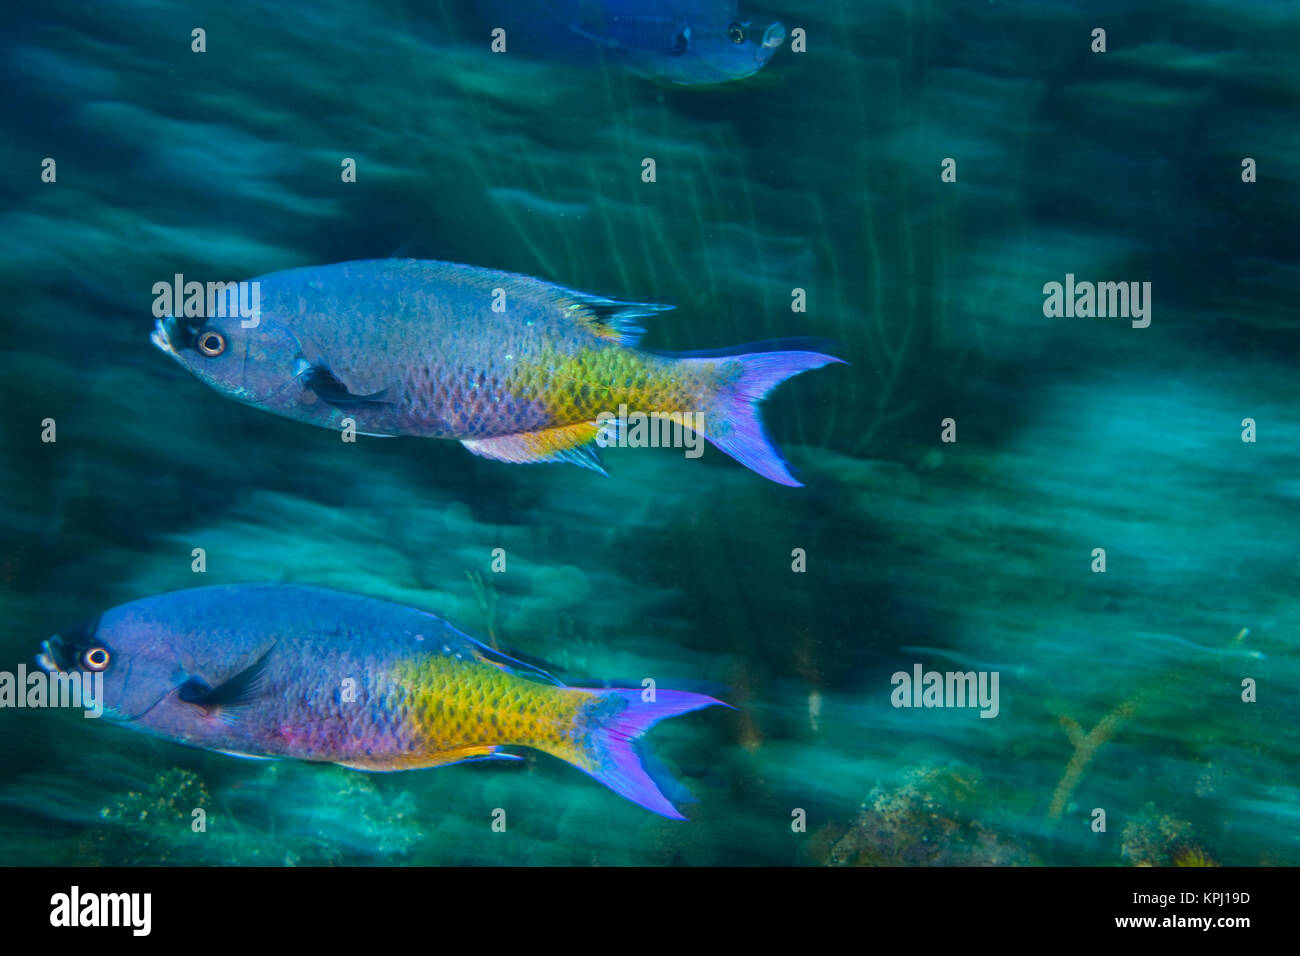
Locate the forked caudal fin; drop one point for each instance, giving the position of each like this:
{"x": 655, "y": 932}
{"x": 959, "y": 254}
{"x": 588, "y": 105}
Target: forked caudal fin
{"x": 733, "y": 425}
{"x": 615, "y": 723}
{"x": 731, "y": 421}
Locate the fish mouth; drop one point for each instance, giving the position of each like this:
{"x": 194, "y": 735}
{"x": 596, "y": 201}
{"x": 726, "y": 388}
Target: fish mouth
{"x": 161, "y": 335}
{"x": 55, "y": 656}
{"x": 166, "y": 334}
{"x": 61, "y": 651}
{"x": 774, "y": 36}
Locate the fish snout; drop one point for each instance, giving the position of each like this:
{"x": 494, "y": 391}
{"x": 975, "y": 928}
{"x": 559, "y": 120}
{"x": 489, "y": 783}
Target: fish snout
{"x": 62, "y": 652}
{"x": 175, "y": 336}
{"x": 54, "y": 656}
{"x": 773, "y": 37}
{"x": 166, "y": 332}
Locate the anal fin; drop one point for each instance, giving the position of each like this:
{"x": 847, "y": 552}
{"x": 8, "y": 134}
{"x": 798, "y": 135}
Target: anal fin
{"x": 420, "y": 761}
{"x": 571, "y": 443}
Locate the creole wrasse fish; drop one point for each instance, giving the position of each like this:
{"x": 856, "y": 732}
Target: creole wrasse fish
{"x": 271, "y": 670}
{"x": 516, "y": 369}
{"x": 682, "y": 42}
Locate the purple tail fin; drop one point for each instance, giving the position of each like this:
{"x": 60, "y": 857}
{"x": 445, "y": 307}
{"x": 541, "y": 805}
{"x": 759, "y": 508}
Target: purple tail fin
{"x": 614, "y": 726}
{"x": 733, "y": 423}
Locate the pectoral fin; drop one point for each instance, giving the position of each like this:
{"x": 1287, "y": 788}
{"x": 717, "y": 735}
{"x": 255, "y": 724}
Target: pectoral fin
{"x": 234, "y": 692}
{"x": 327, "y": 385}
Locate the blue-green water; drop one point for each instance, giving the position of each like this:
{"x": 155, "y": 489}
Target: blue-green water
{"x": 821, "y": 173}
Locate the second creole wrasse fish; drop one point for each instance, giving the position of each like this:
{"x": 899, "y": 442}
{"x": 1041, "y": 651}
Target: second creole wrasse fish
{"x": 683, "y": 42}
{"x": 291, "y": 671}
{"x": 415, "y": 347}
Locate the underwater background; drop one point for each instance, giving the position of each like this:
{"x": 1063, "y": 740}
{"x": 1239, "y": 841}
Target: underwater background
{"x": 1119, "y": 690}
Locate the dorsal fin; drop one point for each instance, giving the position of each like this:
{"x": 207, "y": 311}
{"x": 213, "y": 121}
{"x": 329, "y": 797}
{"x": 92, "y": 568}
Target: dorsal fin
{"x": 649, "y": 33}
{"x": 513, "y": 665}
{"x": 610, "y": 318}
{"x": 532, "y": 669}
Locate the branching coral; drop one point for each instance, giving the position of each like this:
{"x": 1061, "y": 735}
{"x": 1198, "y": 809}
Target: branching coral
{"x": 1087, "y": 745}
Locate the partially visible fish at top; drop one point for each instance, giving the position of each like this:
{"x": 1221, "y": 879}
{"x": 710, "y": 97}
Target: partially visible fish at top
{"x": 683, "y": 42}
{"x": 417, "y": 348}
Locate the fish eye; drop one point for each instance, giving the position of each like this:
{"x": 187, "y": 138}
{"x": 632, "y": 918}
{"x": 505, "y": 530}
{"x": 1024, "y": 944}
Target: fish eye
{"x": 736, "y": 32}
{"x": 95, "y": 659}
{"x": 211, "y": 343}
